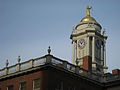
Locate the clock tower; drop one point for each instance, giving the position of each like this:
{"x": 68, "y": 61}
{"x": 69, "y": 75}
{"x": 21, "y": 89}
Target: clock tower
{"x": 88, "y": 44}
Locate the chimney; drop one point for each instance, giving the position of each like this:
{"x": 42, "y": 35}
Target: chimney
{"x": 87, "y": 63}
{"x": 116, "y": 72}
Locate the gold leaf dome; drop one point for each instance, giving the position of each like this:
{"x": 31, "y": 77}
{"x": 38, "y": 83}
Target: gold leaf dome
{"x": 88, "y": 19}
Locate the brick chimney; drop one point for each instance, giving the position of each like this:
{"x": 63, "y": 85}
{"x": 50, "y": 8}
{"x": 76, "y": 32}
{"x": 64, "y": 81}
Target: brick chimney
{"x": 87, "y": 63}
{"x": 116, "y": 72}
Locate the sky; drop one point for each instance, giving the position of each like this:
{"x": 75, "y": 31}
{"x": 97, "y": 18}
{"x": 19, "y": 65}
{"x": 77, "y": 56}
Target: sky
{"x": 28, "y": 27}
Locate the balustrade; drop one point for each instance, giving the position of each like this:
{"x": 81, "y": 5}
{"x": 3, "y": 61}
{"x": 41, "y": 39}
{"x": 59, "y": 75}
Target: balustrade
{"x": 49, "y": 59}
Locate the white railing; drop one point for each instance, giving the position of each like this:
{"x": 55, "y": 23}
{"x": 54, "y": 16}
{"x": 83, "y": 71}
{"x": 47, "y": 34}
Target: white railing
{"x": 12, "y": 69}
{"x": 25, "y": 65}
{"x": 39, "y": 62}
{"x": 22, "y": 66}
{"x": 49, "y": 59}
{"x": 3, "y": 72}
{"x": 56, "y": 61}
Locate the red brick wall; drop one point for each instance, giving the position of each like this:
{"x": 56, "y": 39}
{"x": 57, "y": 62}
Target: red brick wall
{"x": 28, "y": 78}
{"x": 116, "y": 72}
{"x": 87, "y": 63}
{"x": 70, "y": 82}
{"x": 51, "y": 78}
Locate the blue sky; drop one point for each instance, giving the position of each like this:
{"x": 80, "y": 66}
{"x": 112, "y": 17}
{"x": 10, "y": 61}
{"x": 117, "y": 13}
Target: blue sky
{"x": 28, "y": 27}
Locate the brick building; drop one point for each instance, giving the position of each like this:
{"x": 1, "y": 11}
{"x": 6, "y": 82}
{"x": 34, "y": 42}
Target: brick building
{"x": 51, "y": 73}
{"x": 88, "y": 71}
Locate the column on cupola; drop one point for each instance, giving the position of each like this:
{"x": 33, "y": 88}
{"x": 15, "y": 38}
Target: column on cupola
{"x": 102, "y": 53}
{"x": 76, "y": 57}
{"x": 93, "y": 53}
{"x": 105, "y": 66}
{"x": 103, "y": 57}
{"x": 73, "y": 52}
{"x": 88, "y": 46}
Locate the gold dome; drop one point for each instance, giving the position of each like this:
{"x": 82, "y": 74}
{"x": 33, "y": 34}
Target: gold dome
{"x": 88, "y": 18}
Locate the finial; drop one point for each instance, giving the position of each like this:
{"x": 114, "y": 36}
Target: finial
{"x": 7, "y": 63}
{"x": 73, "y": 28}
{"x": 88, "y": 10}
{"x": 49, "y": 50}
{"x": 104, "y": 32}
{"x": 19, "y": 59}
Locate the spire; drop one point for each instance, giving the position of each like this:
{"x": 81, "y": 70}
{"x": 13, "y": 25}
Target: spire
{"x": 88, "y": 10}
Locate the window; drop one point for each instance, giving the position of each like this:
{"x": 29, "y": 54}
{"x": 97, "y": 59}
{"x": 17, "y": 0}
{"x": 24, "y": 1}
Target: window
{"x": 59, "y": 86}
{"x": 10, "y": 87}
{"x": 36, "y": 84}
{"x": 23, "y": 86}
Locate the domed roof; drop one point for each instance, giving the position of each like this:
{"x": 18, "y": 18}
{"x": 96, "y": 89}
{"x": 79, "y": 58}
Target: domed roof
{"x": 88, "y": 18}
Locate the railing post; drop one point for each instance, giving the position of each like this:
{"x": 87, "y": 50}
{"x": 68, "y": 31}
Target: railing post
{"x": 31, "y": 63}
{"x": 6, "y": 70}
{"x": 65, "y": 64}
{"x": 103, "y": 78}
{"x": 48, "y": 59}
{"x": 77, "y": 68}
{"x": 18, "y": 67}
{"x": 89, "y": 73}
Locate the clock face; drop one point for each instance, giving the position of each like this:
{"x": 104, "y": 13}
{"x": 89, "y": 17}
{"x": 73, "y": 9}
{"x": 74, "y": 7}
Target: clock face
{"x": 81, "y": 43}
